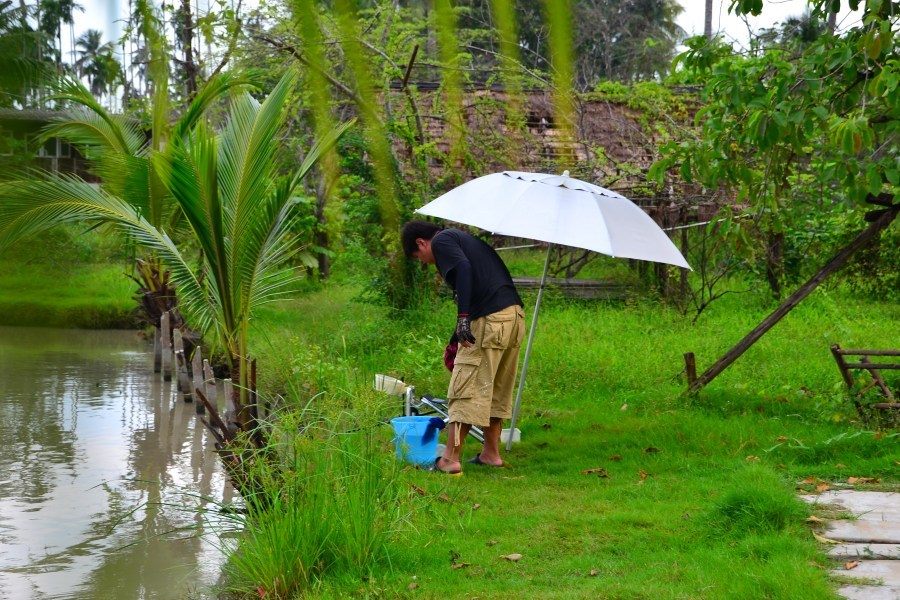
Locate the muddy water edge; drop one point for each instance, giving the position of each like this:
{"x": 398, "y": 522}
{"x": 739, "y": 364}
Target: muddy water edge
{"x": 103, "y": 473}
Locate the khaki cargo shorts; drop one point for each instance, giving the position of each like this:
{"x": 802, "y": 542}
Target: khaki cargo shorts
{"x": 484, "y": 375}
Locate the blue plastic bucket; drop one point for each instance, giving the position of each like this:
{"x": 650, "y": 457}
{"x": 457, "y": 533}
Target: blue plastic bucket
{"x": 416, "y": 439}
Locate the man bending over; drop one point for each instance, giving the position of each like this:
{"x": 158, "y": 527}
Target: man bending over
{"x": 490, "y": 325}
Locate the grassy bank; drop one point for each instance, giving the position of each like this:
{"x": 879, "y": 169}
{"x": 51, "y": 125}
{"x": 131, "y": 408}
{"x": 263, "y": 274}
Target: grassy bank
{"x": 621, "y": 487}
{"x": 67, "y": 278}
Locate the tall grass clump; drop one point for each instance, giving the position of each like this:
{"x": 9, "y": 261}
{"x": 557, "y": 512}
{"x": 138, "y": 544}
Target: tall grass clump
{"x": 756, "y": 502}
{"x": 328, "y": 506}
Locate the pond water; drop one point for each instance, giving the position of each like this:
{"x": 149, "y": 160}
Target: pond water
{"x": 102, "y": 472}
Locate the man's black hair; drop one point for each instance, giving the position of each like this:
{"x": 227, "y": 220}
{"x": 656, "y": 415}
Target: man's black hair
{"x": 415, "y": 230}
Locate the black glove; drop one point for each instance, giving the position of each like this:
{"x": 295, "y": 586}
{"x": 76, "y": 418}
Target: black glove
{"x": 464, "y": 330}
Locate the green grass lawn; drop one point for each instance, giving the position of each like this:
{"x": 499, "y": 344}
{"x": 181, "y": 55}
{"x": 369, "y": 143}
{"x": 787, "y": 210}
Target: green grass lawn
{"x": 67, "y": 278}
{"x": 622, "y": 487}
{"x": 93, "y": 296}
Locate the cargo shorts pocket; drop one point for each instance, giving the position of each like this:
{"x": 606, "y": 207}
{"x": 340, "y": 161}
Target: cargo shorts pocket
{"x": 462, "y": 382}
{"x": 497, "y": 331}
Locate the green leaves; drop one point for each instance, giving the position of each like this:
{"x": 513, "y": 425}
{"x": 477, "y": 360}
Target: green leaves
{"x": 853, "y": 135}
{"x": 746, "y": 7}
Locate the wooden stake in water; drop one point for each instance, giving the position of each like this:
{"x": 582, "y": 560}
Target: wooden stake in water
{"x": 181, "y": 369}
{"x": 166, "y": 347}
{"x": 197, "y": 375}
{"x": 157, "y": 350}
{"x": 209, "y": 378}
{"x": 229, "y": 407}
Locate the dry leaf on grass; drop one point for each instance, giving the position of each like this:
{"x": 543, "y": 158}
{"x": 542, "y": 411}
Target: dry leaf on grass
{"x": 413, "y": 586}
{"x": 814, "y": 519}
{"x": 460, "y": 565}
{"x": 599, "y": 472}
{"x": 809, "y": 480}
{"x": 593, "y": 573}
{"x": 512, "y": 557}
{"x": 476, "y": 506}
{"x": 615, "y": 457}
{"x": 418, "y": 490}
{"x": 752, "y": 459}
{"x": 863, "y": 480}
{"x": 851, "y": 565}
{"x": 643, "y": 475}
{"x": 781, "y": 439}
{"x": 823, "y": 487}
{"x": 492, "y": 543}
{"x": 824, "y": 540}
{"x": 840, "y": 466}
{"x": 650, "y": 450}
{"x": 624, "y": 407}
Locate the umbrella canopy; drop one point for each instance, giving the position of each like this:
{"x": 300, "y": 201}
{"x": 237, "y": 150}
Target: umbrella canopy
{"x": 560, "y": 210}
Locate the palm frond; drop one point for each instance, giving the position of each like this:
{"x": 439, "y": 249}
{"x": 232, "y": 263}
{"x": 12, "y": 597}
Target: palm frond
{"x": 213, "y": 90}
{"x": 93, "y": 125}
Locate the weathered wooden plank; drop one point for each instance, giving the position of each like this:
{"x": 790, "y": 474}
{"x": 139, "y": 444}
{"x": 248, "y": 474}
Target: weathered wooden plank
{"x": 576, "y": 288}
{"x": 869, "y": 352}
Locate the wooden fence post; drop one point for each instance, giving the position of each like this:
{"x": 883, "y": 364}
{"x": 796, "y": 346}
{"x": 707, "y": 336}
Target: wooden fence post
{"x": 157, "y": 350}
{"x": 690, "y": 367}
{"x": 197, "y": 374}
{"x": 166, "y": 338}
{"x": 209, "y": 379}
{"x": 230, "y": 417}
{"x": 181, "y": 370}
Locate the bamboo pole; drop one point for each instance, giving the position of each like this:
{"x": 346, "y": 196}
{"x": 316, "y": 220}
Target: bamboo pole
{"x": 883, "y": 219}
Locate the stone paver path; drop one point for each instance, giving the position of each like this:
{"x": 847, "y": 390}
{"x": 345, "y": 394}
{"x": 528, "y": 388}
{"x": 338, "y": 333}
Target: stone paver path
{"x": 871, "y": 539}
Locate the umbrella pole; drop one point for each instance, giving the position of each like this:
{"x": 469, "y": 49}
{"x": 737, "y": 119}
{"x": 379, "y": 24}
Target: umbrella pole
{"x": 537, "y": 306}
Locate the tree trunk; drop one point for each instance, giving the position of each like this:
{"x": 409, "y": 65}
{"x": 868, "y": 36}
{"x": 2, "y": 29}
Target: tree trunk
{"x": 187, "y": 41}
{"x": 882, "y": 221}
{"x": 707, "y": 22}
{"x": 832, "y": 22}
{"x": 775, "y": 262}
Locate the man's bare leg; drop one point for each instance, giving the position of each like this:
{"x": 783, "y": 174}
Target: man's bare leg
{"x": 490, "y": 453}
{"x": 456, "y": 436}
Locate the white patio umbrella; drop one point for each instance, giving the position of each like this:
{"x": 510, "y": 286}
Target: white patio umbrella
{"x": 559, "y": 210}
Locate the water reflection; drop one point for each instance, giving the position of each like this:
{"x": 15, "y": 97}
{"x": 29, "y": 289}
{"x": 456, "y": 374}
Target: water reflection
{"x": 101, "y": 467}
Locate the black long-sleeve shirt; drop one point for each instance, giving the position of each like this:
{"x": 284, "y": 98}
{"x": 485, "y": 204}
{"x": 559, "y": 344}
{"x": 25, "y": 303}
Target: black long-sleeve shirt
{"x": 475, "y": 272}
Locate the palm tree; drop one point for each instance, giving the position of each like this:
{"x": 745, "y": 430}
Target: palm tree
{"x": 21, "y": 49}
{"x": 89, "y": 44}
{"x": 53, "y": 14}
{"x": 97, "y": 62}
{"x": 120, "y": 154}
{"x": 239, "y": 214}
